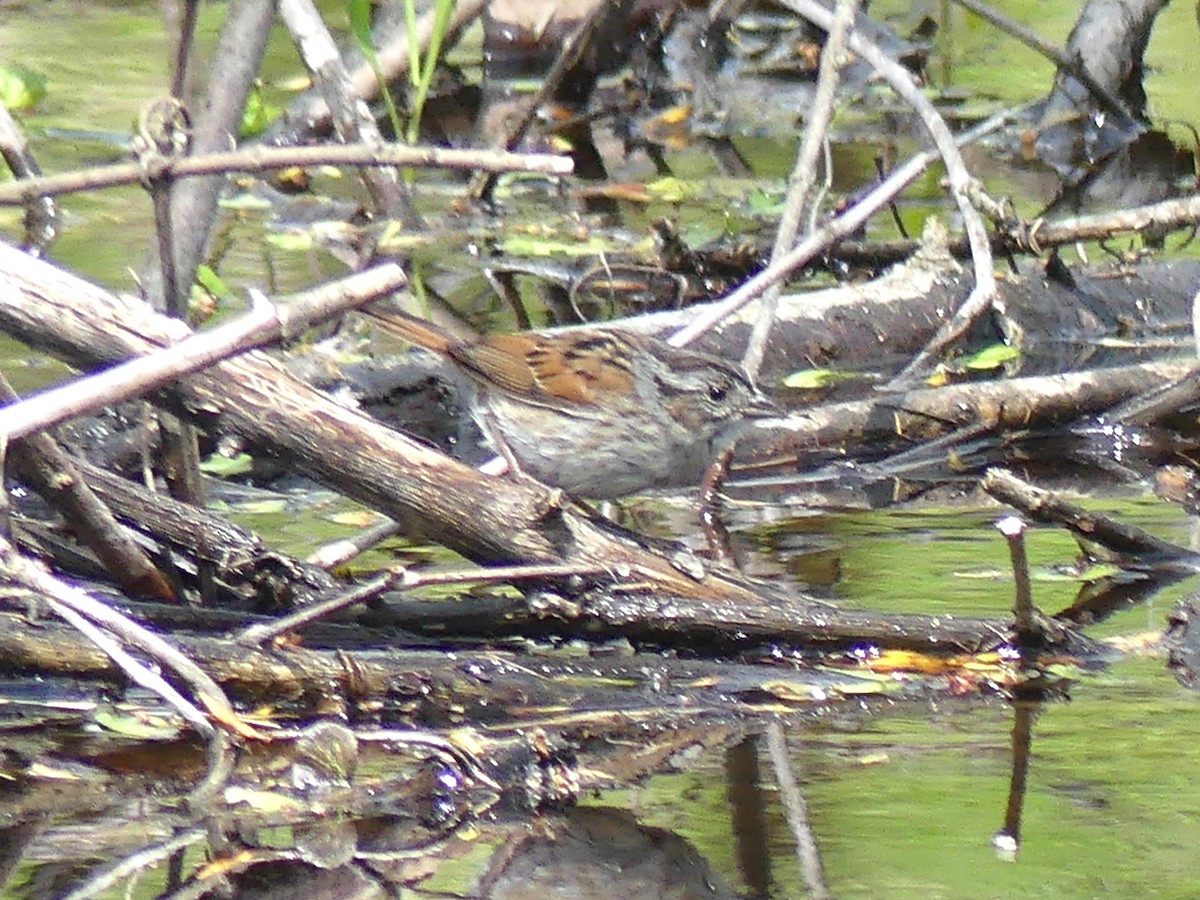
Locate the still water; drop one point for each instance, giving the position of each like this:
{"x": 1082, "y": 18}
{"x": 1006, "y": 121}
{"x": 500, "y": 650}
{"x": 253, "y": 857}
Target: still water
{"x": 904, "y": 798}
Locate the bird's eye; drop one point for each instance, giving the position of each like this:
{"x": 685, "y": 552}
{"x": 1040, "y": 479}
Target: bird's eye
{"x": 718, "y": 391}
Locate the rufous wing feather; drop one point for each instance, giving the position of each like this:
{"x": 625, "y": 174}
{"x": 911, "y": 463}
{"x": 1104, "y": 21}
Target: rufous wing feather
{"x": 412, "y": 330}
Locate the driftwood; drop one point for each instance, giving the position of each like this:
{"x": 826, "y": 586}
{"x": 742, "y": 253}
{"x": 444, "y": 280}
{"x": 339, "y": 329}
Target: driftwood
{"x": 256, "y": 398}
{"x": 517, "y": 521}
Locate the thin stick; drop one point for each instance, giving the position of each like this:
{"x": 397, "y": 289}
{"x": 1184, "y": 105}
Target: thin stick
{"x": 260, "y": 633}
{"x": 352, "y": 120}
{"x": 85, "y": 612}
{"x": 137, "y": 672}
{"x": 264, "y": 159}
{"x": 902, "y": 82}
{"x": 265, "y": 322}
{"x": 1034, "y": 41}
{"x": 827, "y": 234}
{"x": 341, "y": 551}
{"x": 1127, "y": 541}
{"x": 1013, "y": 529}
{"x": 800, "y": 184}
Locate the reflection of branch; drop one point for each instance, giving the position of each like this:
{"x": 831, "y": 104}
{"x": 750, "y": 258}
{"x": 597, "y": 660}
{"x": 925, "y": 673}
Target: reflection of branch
{"x": 1008, "y": 839}
{"x": 263, "y": 159}
{"x": 134, "y": 864}
{"x": 796, "y": 812}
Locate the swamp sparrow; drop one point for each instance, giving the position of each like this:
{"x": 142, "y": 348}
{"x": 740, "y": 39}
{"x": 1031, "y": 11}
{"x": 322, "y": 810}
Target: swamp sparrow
{"x": 599, "y": 414}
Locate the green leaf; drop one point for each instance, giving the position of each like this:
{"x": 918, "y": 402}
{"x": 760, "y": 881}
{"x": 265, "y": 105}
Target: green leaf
{"x": 670, "y": 189}
{"x": 224, "y": 466}
{"x": 258, "y": 113}
{"x": 358, "y": 13}
{"x": 245, "y": 202}
{"x": 21, "y": 88}
{"x": 290, "y": 240}
{"x": 140, "y": 727}
{"x": 208, "y": 279}
{"x": 811, "y": 379}
{"x": 991, "y": 357}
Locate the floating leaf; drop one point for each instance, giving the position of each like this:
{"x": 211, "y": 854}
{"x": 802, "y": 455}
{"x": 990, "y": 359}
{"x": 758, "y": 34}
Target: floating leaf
{"x": 809, "y": 379}
{"x": 245, "y": 201}
{"x": 673, "y": 190}
{"x": 225, "y": 466}
{"x": 257, "y": 113}
{"x": 764, "y": 203}
{"x": 262, "y": 801}
{"x": 21, "y": 88}
{"x": 291, "y": 240}
{"x": 991, "y": 357}
{"x": 134, "y": 726}
{"x": 530, "y": 245}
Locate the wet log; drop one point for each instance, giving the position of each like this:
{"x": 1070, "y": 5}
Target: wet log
{"x": 485, "y": 518}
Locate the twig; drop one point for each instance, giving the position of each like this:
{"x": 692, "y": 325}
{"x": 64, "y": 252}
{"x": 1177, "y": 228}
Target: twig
{"x": 1038, "y": 235}
{"x": 900, "y": 80}
{"x": 258, "y": 634}
{"x": 309, "y": 115}
{"x": 803, "y": 177}
{"x": 1051, "y": 52}
{"x": 1013, "y": 529}
{"x": 360, "y": 593}
{"x": 352, "y": 120}
{"x": 341, "y": 551}
{"x": 827, "y": 234}
{"x": 1016, "y": 403}
{"x": 263, "y": 159}
{"x": 42, "y": 214}
{"x": 1134, "y": 545}
{"x": 233, "y": 67}
{"x": 264, "y": 323}
{"x": 85, "y": 613}
{"x": 1176, "y": 213}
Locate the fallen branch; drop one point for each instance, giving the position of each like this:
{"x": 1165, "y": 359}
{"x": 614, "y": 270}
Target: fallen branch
{"x": 1134, "y": 547}
{"x": 264, "y": 159}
